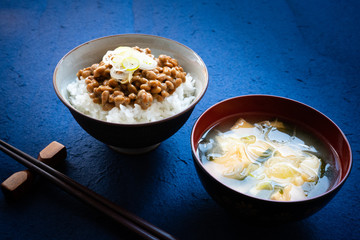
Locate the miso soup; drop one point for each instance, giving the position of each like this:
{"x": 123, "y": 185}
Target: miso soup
{"x": 268, "y": 158}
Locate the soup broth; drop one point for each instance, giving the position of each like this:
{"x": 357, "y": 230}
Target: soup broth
{"x": 268, "y": 158}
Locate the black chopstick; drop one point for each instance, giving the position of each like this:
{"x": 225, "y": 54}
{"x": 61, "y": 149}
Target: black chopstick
{"x": 120, "y": 215}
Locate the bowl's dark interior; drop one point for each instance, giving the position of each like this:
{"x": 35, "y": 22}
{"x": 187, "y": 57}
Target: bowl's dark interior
{"x": 283, "y": 108}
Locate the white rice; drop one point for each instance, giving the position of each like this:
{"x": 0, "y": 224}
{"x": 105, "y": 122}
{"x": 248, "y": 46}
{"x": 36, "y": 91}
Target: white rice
{"x": 175, "y": 103}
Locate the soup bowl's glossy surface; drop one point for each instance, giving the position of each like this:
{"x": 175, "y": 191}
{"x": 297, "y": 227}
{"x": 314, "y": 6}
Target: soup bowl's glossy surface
{"x": 129, "y": 138}
{"x": 249, "y": 207}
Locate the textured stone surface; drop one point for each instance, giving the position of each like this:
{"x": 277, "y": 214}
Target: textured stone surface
{"x": 305, "y": 50}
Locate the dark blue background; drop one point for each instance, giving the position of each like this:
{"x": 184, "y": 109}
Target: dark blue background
{"x": 305, "y": 50}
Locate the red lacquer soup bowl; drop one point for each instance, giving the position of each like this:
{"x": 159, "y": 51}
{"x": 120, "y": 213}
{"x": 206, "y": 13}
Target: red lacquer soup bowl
{"x": 299, "y": 114}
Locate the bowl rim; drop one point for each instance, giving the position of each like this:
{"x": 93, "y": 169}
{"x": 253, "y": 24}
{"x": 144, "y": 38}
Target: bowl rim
{"x": 71, "y": 108}
{"x": 198, "y": 162}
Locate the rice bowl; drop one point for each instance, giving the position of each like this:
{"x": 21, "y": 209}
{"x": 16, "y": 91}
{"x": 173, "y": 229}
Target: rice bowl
{"x": 125, "y": 134}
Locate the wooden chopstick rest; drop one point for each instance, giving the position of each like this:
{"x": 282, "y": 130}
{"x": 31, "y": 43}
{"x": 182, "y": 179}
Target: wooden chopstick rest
{"x": 18, "y": 183}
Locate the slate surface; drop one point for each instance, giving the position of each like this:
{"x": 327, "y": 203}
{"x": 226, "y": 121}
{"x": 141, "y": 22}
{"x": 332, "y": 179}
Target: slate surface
{"x": 305, "y": 50}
